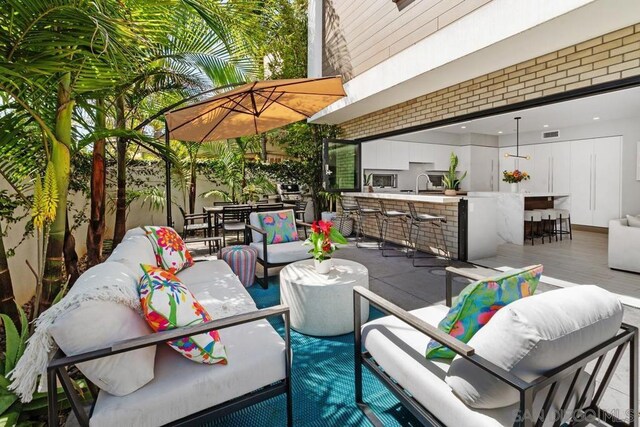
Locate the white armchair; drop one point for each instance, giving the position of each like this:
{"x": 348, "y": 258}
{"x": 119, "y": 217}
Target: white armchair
{"x": 624, "y": 246}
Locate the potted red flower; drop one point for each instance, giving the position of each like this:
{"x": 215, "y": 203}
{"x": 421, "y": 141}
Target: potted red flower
{"x": 323, "y": 239}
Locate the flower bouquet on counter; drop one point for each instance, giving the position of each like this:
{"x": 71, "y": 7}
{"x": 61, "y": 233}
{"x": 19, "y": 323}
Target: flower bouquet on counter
{"x": 323, "y": 239}
{"x": 515, "y": 176}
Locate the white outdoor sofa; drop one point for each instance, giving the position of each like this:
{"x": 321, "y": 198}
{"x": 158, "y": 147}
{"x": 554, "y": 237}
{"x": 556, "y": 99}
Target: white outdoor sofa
{"x": 532, "y": 364}
{"x": 624, "y": 246}
{"x": 177, "y": 391}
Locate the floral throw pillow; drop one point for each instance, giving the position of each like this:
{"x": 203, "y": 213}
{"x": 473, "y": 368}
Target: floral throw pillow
{"x": 171, "y": 252}
{"x": 168, "y": 304}
{"x": 280, "y": 227}
{"x": 479, "y": 301}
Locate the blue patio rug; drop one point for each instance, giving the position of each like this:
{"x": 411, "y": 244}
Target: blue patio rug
{"x": 323, "y": 383}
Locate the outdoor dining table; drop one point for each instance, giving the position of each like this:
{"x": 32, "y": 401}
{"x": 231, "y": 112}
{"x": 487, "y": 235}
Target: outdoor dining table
{"x": 214, "y": 214}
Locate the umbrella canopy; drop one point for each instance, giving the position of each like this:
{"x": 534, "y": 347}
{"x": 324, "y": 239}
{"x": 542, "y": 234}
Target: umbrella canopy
{"x": 253, "y": 108}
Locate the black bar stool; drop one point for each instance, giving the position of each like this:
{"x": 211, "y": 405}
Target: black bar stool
{"x": 362, "y": 214}
{"x": 391, "y": 216}
{"x": 534, "y": 219}
{"x": 564, "y": 215}
{"x": 435, "y": 222}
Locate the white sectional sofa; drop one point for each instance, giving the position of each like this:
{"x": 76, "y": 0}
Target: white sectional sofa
{"x": 537, "y": 356}
{"x": 168, "y": 387}
{"x": 624, "y": 246}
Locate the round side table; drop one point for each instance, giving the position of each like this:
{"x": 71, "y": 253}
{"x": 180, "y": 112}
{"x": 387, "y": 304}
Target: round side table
{"x": 322, "y": 304}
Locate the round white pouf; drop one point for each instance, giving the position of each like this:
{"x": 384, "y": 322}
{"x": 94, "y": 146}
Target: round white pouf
{"x": 322, "y": 304}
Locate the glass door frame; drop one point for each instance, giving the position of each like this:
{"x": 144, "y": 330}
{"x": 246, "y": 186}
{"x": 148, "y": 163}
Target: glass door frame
{"x": 325, "y": 165}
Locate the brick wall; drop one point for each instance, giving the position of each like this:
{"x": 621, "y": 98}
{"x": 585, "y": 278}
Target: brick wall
{"x": 609, "y": 57}
{"x": 427, "y": 238}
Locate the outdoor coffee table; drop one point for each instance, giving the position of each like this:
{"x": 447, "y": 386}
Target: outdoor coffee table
{"x": 322, "y": 304}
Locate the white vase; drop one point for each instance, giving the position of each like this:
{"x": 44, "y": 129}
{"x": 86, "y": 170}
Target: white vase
{"x": 322, "y": 267}
{"x": 514, "y": 187}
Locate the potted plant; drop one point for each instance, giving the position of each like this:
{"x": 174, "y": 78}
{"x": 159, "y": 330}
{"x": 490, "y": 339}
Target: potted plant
{"x": 323, "y": 239}
{"x": 368, "y": 177}
{"x": 514, "y": 177}
{"x": 450, "y": 180}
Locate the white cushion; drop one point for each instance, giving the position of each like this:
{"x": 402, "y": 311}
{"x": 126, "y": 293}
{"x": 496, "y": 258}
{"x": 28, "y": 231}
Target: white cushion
{"x": 135, "y": 249}
{"x": 633, "y": 221}
{"x": 624, "y": 245}
{"x": 98, "y": 324}
{"x": 256, "y": 359}
{"x": 255, "y": 221}
{"x": 283, "y": 252}
{"x": 400, "y": 350}
{"x": 217, "y": 288}
{"x": 533, "y": 335}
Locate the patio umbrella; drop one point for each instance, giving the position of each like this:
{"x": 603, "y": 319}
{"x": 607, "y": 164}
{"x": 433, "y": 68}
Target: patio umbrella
{"x": 253, "y": 108}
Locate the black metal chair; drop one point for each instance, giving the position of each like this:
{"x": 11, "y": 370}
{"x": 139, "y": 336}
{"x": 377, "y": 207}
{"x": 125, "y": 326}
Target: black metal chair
{"x": 194, "y": 223}
{"x": 418, "y": 220}
{"x": 301, "y": 207}
{"x": 268, "y": 207}
{"x": 362, "y": 214}
{"x": 389, "y": 217}
{"x": 234, "y": 219}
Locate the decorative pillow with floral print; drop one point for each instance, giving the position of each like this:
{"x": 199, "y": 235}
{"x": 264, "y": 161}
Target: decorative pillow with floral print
{"x": 479, "y": 301}
{"x": 168, "y": 304}
{"x": 280, "y": 226}
{"x": 171, "y": 251}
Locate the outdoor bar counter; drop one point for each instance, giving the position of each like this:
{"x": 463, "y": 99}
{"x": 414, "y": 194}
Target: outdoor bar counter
{"x": 453, "y": 208}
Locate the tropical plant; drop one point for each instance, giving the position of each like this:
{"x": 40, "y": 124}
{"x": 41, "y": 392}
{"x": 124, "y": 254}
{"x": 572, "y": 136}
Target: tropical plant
{"x": 12, "y": 411}
{"x": 450, "y": 180}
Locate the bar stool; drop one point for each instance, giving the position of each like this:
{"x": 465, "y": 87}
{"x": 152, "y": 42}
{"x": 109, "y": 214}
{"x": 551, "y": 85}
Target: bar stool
{"x": 533, "y": 218}
{"x": 362, "y": 214}
{"x": 564, "y": 215}
{"x": 390, "y": 216}
{"x": 416, "y": 222}
{"x": 549, "y": 217}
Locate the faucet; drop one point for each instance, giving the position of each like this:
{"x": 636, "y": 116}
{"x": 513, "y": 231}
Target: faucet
{"x": 418, "y": 179}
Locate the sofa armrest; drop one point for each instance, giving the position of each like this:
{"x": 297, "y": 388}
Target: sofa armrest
{"x": 164, "y": 336}
{"x": 457, "y": 346}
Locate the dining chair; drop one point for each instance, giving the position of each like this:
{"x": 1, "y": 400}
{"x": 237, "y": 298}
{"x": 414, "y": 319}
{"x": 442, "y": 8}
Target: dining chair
{"x": 234, "y": 218}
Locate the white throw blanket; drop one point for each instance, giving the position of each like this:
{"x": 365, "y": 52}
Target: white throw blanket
{"x": 33, "y": 362}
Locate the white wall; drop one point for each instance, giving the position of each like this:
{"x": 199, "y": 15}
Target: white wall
{"x": 22, "y": 278}
{"x": 629, "y": 129}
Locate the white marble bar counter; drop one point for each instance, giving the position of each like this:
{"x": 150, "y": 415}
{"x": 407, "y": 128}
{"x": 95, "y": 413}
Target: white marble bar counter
{"x": 410, "y": 197}
{"x": 510, "y": 209}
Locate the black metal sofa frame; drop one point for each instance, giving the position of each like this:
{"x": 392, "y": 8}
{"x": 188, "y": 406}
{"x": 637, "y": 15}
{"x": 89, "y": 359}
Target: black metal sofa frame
{"x": 264, "y": 281}
{"x": 57, "y": 370}
{"x": 627, "y": 337}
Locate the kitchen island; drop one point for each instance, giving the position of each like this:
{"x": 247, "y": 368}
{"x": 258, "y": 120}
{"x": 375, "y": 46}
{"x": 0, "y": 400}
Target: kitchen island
{"x": 510, "y": 207}
{"x": 453, "y": 208}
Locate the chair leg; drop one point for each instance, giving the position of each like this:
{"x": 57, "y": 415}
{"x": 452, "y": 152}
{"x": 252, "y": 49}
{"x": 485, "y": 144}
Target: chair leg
{"x": 265, "y": 276}
{"x": 570, "y": 230}
{"x": 561, "y": 228}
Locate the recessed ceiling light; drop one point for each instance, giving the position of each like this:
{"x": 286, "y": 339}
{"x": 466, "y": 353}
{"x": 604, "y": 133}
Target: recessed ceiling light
{"x": 545, "y": 126}
{"x": 463, "y": 127}
{"x": 499, "y": 131}
{"x": 596, "y": 118}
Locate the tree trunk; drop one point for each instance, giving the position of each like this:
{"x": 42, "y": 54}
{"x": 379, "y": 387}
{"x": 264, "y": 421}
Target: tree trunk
{"x": 7, "y": 299}
{"x": 263, "y": 142}
{"x": 61, "y": 158}
{"x": 96, "y": 227}
{"x": 70, "y": 255}
{"x": 121, "y": 198}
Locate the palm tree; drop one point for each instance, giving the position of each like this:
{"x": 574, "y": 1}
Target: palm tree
{"x": 52, "y": 53}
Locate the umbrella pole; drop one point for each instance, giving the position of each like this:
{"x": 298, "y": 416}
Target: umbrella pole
{"x": 167, "y": 169}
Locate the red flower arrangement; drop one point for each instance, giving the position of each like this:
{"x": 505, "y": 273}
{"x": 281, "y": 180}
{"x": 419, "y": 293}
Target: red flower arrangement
{"x": 515, "y": 176}
{"x": 323, "y": 238}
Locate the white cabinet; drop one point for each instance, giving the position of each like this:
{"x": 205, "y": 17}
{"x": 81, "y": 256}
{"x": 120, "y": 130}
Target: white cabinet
{"x": 506, "y": 164}
{"x": 368, "y": 155}
{"x": 383, "y": 154}
{"x": 551, "y": 171}
{"x": 595, "y": 181}
{"x": 483, "y": 169}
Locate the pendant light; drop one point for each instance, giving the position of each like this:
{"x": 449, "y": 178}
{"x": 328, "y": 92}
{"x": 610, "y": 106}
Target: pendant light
{"x": 517, "y": 155}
